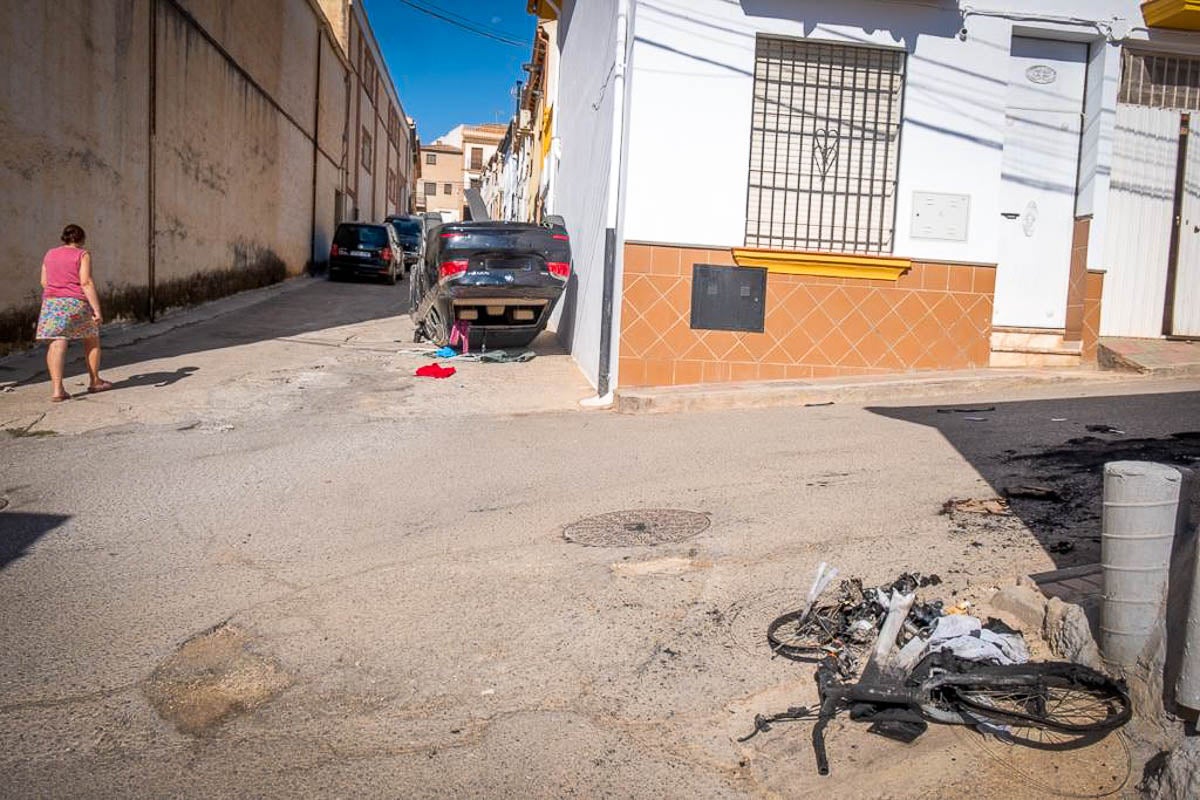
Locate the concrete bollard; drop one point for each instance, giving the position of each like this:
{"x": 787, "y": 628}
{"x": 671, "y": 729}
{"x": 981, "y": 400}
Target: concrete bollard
{"x": 1141, "y": 501}
{"x": 1185, "y": 662}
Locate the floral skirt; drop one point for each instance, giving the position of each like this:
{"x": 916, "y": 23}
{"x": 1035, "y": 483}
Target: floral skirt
{"x": 66, "y": 318}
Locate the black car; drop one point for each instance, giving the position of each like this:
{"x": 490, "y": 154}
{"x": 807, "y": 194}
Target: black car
{"x": 361, "y": 248}
{"x": 501, "y": 278}
{"x": 410, "y": 233}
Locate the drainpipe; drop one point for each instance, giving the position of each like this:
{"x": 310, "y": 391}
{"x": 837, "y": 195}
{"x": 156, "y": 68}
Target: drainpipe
{"x": 151, "y": 124}
{"x": 604, "y": 389}
{"x": 316, "y": 153}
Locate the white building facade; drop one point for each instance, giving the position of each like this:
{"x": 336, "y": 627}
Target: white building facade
{"x": 946, "y": 186}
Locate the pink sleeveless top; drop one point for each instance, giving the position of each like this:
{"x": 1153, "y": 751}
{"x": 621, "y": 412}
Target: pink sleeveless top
{"x": 62, "y": 272}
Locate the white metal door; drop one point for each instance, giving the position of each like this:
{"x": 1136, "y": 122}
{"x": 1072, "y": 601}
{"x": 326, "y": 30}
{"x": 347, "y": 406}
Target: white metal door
{"x": 1138, "y": 232}
{"x": 1185, "y": 318}
{"x": 1043, "y": 123}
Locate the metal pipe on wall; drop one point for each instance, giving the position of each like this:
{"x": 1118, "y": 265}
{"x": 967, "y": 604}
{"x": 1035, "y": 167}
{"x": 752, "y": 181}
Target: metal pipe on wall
{"x": 611, "y": 218}
{"x": 151, "y": 125}
{"x": 316, "y": 150}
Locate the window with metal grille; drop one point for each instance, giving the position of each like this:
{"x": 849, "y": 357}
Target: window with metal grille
{"x": 1160, "y": 81}
{"x": 368, "y": 152}
{"x": 476, "y": 158}
{"x": 824, "y": 143}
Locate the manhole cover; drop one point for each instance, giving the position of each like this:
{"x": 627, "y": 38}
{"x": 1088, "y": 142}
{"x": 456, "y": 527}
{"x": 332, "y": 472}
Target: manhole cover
{"x": 637, "y": 528}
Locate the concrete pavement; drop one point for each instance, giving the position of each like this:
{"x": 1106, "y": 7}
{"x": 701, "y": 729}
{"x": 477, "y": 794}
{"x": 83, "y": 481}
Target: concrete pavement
{"x": 355, "y": 583}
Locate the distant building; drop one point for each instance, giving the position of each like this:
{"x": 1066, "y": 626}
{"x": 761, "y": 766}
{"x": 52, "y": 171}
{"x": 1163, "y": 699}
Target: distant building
{"x": 382, "y": 139}
{"x": 478, "y": 143}
{"x": 441, "y": 185}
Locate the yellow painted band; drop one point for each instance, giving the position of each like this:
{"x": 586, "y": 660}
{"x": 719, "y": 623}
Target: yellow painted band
{"x": 829, "y": 265}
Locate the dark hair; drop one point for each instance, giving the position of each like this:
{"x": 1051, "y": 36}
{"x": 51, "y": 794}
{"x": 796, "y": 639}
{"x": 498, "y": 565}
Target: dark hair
{"x": 73, "y": 234}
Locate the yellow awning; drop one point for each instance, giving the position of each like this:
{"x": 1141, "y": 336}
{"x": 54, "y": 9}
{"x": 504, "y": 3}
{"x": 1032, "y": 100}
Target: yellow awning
{"x": 1181, "y": 15}
{"x": 544, "y": 9}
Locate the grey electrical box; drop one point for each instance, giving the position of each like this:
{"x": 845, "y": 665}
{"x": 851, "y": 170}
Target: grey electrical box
{"x": 940, "y": 216}
{"x": 728, "y": 298}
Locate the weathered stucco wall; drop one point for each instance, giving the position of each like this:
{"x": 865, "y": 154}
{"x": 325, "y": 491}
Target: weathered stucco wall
{"x": 73, "y": 122}
{"x": 233, "y": 173}
{"x": 587, "y": 38}
{"x": 251, "y": 106}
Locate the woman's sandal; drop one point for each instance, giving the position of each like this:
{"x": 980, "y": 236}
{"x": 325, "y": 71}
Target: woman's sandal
{"x": 58, "y": 398}
{"x": 102, "y": 386}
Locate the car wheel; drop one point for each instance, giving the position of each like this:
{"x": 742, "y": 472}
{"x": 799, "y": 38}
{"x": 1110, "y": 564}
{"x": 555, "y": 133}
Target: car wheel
{"x": 435, "y": 328}
{"x": 334, "y": 275}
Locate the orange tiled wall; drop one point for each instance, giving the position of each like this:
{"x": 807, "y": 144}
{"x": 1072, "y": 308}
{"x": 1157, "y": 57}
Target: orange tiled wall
{"x": 936, "y": 316}
{"x": 1077, "y": 282}
{"x": 1094, "y": 289}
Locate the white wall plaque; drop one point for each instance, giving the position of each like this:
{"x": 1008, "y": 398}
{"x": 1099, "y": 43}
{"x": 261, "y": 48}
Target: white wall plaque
{"x": 940, "y": 216}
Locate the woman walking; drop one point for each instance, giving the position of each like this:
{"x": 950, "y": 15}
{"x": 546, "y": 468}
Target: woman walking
{"x": 70, "y": 310}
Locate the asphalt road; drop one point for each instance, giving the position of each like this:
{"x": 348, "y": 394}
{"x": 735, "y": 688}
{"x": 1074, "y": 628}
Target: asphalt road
{"x": 296, "y": 570}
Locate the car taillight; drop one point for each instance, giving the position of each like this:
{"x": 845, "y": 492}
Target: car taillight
{"x": 559, "y": 269}
{"x": 334, "y": 252}
{"x": 452, "y": 269}
{"x": 386, "y": 254}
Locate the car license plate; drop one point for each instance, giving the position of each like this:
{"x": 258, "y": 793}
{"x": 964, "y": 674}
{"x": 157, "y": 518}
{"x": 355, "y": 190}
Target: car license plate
{"x": 508, "y": 265}
{"x": 362, "y": 253}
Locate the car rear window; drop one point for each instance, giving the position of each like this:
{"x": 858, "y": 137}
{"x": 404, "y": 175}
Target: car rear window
{"x": 407, "y": 227}
{"x": 360, "y": 236}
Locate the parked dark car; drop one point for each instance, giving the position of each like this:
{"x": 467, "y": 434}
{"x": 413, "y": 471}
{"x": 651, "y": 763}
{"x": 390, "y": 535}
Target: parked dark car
{"x": 410, "y": 233}
{"x": 502, "y": 278}
{"x": 361, "y": 248}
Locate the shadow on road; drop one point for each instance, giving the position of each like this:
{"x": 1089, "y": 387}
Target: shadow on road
{"x": 1049, "y": 455}
{"x": 156, "y": 379}
{"x": 19, "y": 530}
{"x": 317, "y": 306}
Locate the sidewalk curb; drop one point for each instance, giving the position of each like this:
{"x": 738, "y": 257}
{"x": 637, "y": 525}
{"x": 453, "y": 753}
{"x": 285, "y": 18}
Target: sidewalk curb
{"x": 21, "y": 367}
{"x": 772, "y": 394}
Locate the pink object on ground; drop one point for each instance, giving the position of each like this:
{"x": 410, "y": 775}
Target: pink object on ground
{"x": 461, "y": 331}
{"x": 434, "y": 371}
{"x": 62, "y": 272}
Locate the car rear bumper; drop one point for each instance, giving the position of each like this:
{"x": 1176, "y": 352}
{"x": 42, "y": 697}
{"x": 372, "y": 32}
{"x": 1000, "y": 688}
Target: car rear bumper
{"x": 361, "y": 267}
{"x": 513, "y": 308}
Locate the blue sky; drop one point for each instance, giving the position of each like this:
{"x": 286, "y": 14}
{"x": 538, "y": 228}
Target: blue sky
{"x": 444, "y": 74}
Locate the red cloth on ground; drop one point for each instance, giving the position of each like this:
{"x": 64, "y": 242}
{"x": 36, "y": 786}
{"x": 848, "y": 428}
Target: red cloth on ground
{"x": 434, "y": 371}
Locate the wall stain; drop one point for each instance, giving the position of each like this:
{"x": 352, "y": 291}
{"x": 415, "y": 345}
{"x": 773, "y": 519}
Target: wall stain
{"x": 194, "y": 165}
{"x": 251, "y": 266}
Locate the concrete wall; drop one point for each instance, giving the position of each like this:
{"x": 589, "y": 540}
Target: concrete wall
{"x": 74, "y": 149}
{"x": 586, "y": 39}
{"x": 235, "y": 182}
{"x": 251, "y": 107}
{"x": 691, "y": 96}
{"x": 334, "y": 148}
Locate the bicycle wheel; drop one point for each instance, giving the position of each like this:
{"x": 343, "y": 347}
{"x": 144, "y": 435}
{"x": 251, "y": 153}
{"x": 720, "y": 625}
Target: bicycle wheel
{"x": 803, "y": 638}
{"x": 1065, "y": 698}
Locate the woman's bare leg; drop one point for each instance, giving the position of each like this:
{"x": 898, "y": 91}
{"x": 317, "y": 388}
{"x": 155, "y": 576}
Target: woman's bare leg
{"x": 56, "y": 361}
{"x": 91, "y": 347}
